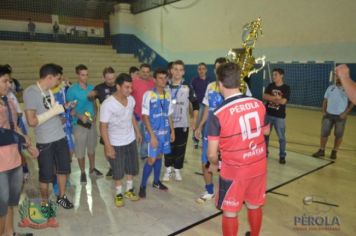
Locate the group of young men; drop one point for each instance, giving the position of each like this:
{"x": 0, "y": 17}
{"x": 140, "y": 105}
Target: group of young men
{"x": 148, "y": 118}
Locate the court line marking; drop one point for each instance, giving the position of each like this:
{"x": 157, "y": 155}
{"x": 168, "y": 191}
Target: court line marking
{"x": 268, "y": 191}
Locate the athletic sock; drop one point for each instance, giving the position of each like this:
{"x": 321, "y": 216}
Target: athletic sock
{"x": 147, "y": 169}
{"x": 157, "y": 170}
{"x": 255, "y": 220}
{"x": 210, "y": 188}
{"x": 230, "y": 226}
{"x": 118, "y": 190}
{"x": 129, "y": 185}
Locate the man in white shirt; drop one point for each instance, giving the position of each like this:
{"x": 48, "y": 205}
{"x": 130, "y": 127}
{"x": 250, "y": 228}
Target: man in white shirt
{"x": 119, "y": 131}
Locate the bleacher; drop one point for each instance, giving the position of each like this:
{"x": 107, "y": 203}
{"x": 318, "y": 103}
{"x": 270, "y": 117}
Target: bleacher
{"x": 26, "y": 58}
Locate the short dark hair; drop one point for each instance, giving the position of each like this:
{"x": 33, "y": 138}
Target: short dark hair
{"x": 202, "y": 64}
{"x": 220, "y": 60}
{"x": 159, "y": 71}
{"x": 133, "y": 69}
{"x": 50, "y": 69}
{"x": 178, "y": 62}
{"x": 9, "y": 67}
{"x": 80, "y": 67}
{"x": 279, "y": 70}
{"x": 108, "y": 70}
{"x": 122, "y": 78}
{"x": 4, "y": 70}
{"x": 145, "y": 65}
{"x": 229, "y": 75}
{"x": 169, "y": 65}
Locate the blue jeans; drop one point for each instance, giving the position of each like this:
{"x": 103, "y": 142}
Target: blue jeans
{"x": 143, "y": 147}
{"x": 279, "y": 125}
{"x": 11, "y": 184}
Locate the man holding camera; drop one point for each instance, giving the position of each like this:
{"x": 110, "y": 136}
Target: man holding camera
{"x": 84, "y": 131}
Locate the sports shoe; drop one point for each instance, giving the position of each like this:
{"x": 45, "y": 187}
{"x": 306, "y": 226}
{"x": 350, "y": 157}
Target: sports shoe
{"x": 83, "y": 178}
{"x": 130, "y": 194}
{"x": 109, "y": 174}
{"x": 333, "y": 154}
{"x": 160, "y": 186}
{"x": 142, "y": 192}
{"x": 282, "y": 161}
{"x": 319, "y": 153}
{"x": 119, "y": 200}
{"x": 167, "y": 175}
{"x": 64, "y": 202}
{"x": 177, "y": 175}
{"x": 95, "y": 173}
{"x": 205, "y": 197}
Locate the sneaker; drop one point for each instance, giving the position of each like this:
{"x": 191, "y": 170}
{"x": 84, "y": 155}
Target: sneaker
{"x": 282, "y": 161}
{"x": 109, "y": 174}
{"x": 83, "y": 178}
{"x": 177, "y": 175}
{"x": 64, "y": 202}
{"x": 119, "y": 200}
{"x": 131, "y": 195}
{"x": 167, "y": 176}
{"x": 319, "y": 153}
{"x": 160, "y": 186}
{"x": 95, "y": 173}
{"x": 333, "y": 155}
{"x": 142, "y": 192}
{"x": 205, "y": 197}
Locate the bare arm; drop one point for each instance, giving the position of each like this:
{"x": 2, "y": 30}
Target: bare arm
{"x": 343, "y": 73}
{"x": 147, "y": 123}
{"x": 202, "y": 122}
{"x": 325, "y": 105}
{"x": 108, "y": 148}
{"x": 173, "y": 135}
{"x": 137, "y": 130}
{"x": 213, "y": 147}
{"x": 31, "y": 118}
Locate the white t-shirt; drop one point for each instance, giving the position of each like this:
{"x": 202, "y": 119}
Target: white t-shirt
{"x": 119, "y": 119}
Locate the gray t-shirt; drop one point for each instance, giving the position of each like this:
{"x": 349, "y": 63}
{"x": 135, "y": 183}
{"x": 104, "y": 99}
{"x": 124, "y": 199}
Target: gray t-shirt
{"x": 51, "y": 130}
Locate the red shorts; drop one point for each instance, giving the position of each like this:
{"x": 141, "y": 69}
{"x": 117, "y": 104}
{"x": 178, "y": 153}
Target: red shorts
{"x": 233, "y": 193}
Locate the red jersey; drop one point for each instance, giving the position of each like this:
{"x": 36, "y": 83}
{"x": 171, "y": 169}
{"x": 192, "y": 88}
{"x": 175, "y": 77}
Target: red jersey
{"x": 239, "y": 126}
{"x": 139, "y": 87}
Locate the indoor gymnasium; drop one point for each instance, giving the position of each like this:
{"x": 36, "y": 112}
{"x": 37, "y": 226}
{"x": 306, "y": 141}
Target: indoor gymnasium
{"x": 126, "y": 117}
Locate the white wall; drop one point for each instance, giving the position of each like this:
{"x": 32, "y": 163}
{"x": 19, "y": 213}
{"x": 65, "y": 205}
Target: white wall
{"x": 298, "y": 30}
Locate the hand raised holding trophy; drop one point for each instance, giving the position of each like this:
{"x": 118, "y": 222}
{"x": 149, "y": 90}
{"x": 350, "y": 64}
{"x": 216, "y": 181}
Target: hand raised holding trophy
{"x": 243, "y": 56}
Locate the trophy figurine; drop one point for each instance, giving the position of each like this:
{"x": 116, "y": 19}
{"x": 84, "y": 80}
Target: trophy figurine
{"x": 243, "y": 56}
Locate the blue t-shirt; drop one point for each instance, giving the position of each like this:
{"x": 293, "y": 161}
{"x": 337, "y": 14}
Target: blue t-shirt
{"x": 337, "y": 100}
{"x": 75, "y": 92}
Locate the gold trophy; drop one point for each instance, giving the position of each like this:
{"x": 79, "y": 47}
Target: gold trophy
{"x": 243, "y": 56}
{"x": 87, "y": 114}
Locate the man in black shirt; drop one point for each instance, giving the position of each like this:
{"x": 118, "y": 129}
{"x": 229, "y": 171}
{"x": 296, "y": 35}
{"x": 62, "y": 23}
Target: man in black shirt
{"x": 103, "y": 91}
{"x": 277, "y": 96}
